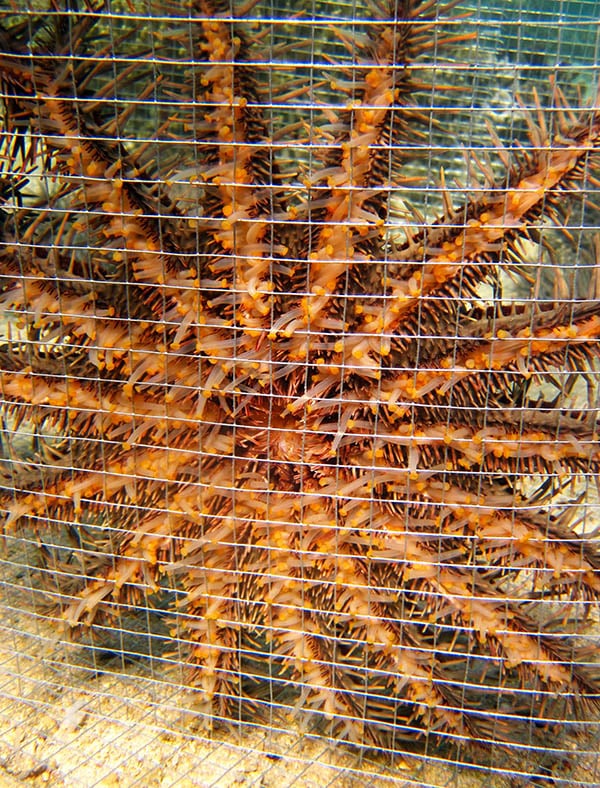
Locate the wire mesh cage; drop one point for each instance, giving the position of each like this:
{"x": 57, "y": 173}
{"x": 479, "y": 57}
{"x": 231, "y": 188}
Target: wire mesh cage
{"x": 299, "y": 375}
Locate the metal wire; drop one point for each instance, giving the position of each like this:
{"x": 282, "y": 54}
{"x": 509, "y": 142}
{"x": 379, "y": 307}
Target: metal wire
{"x": 299, "y": 380}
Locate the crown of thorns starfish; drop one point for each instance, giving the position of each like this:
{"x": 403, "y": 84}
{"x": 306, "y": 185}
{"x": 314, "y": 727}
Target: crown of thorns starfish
{"x": 311, "y": 429}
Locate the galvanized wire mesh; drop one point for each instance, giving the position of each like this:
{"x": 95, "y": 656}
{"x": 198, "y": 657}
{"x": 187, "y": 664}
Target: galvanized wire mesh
{"x": 299, "y": 393}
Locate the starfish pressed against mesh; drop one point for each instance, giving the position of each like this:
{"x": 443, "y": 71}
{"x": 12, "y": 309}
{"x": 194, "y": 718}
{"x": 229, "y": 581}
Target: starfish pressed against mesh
{"x": 321, "y": 434}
